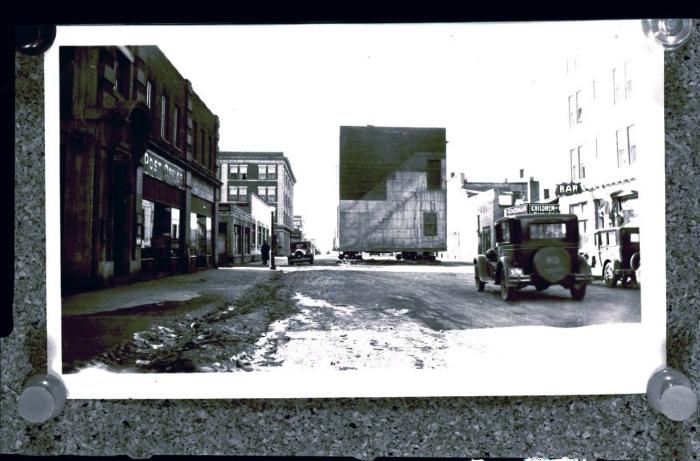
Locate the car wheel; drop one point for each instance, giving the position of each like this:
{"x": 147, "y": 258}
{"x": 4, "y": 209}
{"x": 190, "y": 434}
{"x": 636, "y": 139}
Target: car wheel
{"x": 479, "y": 284}
{"x": 578, "y": 291}
{"x": 609, "y": 275}
{"x": 507, "y": 291}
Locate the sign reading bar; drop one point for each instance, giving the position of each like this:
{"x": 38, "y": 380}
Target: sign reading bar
{"x": 532, "y": 208}
{"x": 162, "y": 170}
{"x": 569, "y": 188}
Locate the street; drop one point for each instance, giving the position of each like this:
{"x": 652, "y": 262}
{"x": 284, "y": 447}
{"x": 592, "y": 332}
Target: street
{"x": 332, "y": 314}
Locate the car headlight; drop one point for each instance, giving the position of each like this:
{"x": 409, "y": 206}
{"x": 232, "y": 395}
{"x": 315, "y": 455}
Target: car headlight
{"x": 515, "y": 271}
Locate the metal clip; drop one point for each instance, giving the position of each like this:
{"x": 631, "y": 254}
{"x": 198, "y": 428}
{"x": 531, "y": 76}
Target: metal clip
{"x": 671, "y": 33}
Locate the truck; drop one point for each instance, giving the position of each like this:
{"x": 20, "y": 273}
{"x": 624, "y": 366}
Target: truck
{"x": 392, "y": 192}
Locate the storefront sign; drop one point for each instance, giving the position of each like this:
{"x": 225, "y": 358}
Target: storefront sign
{"x": 162, "y": 170}
{"x": 202, "y": 190}
{"x": 532, "y": 208}
{"x": 569, "y": 188}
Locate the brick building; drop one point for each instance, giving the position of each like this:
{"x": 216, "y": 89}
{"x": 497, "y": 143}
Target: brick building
{"x": 269, "y": 175}
{"x": 138, "y": 156}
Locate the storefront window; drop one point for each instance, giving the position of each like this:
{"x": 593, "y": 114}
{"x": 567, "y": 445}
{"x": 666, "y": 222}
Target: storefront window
{"x": 147, "y": 223}
{"x": 175, "y": 229}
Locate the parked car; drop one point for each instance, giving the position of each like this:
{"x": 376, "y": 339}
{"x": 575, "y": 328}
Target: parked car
{"x": 618, "y": 256}
{"x": 534, "y": 249}
{"x": 300, "y": 252}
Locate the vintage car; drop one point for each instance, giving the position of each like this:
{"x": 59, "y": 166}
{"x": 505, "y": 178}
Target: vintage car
{"x": 617, "y": 256}
{"x": 534, "y": 249}
{"x": 300, "y": 252}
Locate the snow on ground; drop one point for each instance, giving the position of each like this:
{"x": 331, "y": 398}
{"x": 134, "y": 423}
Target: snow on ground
{"x": 392, "y": 341}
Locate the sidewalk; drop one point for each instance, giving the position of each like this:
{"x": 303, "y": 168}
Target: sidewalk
{"x": 227, "y": 285}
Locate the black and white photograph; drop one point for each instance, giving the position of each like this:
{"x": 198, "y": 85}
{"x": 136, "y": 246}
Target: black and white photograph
{"x": 351, "y": 210}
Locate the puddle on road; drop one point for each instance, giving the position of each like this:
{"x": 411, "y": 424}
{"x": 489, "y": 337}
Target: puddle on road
{"x": 211, "y": 336}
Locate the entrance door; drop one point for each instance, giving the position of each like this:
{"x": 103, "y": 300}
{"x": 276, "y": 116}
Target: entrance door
{"x": 122, "y": 219}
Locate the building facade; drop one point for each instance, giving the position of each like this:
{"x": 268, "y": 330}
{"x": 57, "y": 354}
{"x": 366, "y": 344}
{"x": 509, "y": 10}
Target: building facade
{"x": 392, "y": 189}
{"x": 613, "y": 112}
{"x": 471, "y": 229}
{"x": 243, "y": 230}
{"x": 138, "y": 156}
{"x": 269, "y": 175}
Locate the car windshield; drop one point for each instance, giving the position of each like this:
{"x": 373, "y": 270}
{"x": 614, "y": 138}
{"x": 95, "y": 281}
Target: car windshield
{"x": 300, "y": 246}
{"x": 547, "y": 230}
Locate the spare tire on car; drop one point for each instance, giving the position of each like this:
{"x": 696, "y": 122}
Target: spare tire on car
{"x": 552, "y": 264}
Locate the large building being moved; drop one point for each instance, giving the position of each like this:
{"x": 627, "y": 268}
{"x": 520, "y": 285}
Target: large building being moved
{"x": 392, "y": 191}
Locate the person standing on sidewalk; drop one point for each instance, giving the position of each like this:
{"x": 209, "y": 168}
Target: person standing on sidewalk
{"x": 265, "y": 250}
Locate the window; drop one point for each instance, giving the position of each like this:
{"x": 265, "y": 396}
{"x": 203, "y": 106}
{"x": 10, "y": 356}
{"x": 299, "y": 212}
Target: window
{"x": 237, "y": 171}
{"x": 123, "y": 75}
{"x": 612, "y": 238}
{"x": 547, "y": 230}
{"x": 433, "y": 175}
{"x": 579, "y": 109}
{"x": 262, "y": 192}
{"x": 617, "y": 90}
{"x": 194, "y": 141}
{"x": 429, "y": 223}
{"x": 149, "y": 93}
{"x": 267, "y": 172}
{"x": 631, "y": 144}
{"x": 202, "y": 150}
{"x": 164, "y": 117}
{"x": 593, "y": 90}
{"x": 571, "y": 111}
{"x": 238, "y": 193}
{"x": 581, "y": 165}
{"x": 622, "y": 154}
{"x": 546, "y": 194}
{"x": 573, "y": 163}
{"x": 272, "y": 193}
{"x": 505, "y": 232}
{"x": 485, "y": 238}
{"x": 176, "y": 118}
{"x": 628, "y": 80}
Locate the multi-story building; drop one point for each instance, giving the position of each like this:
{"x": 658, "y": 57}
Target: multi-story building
{"x": 612, "y": 96}
{"x": 138, "y": 155}
{"x": 267, "y": 174}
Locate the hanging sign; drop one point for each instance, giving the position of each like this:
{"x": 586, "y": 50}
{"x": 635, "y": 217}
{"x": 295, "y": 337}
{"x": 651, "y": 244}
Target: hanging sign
{"x": 569, "y": 188}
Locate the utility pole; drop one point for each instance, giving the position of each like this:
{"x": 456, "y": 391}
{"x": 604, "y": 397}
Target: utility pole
{"x": 273, "y": 241}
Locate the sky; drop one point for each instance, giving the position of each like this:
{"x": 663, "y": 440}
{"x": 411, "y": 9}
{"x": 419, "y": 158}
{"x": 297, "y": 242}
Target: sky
{"x": 495, "y": 87}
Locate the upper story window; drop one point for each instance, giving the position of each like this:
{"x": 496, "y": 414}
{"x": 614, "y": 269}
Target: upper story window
{"x": 123, "y": 75}
{"x": 631, "y": 144}
{"x": 628, "y": 80}
{"x": 579, "y": 108}
{"x": 176, "y": 126}
{"x": 238, "y": 194}
{"x": 272, "y": 193}
{"x": 149, "y": 93}
{"x": 164, "y": 117}
{"x": 617, "y": 86}
{"x": 572, "y": 110}
{"x": 622, "y": 146}
{"x": 433, "y": 177}
{"x": 237, "y": 171}
{"x": 573, "y": 164}
{"x": 267, "y": 172}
